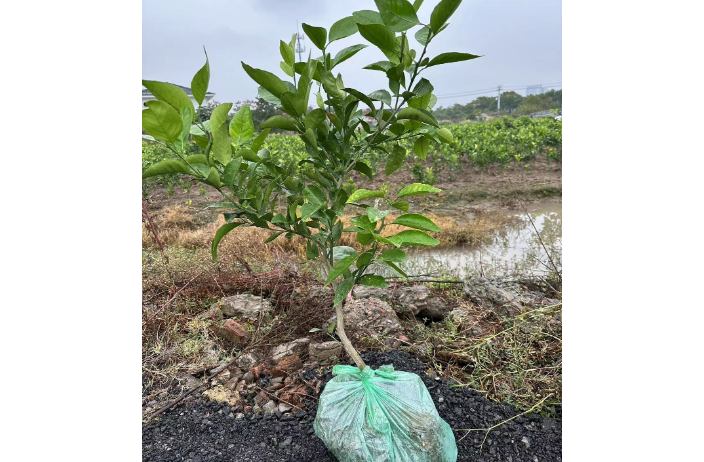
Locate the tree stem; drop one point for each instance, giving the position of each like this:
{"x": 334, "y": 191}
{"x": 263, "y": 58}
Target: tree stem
{"x": 345, "y": 341}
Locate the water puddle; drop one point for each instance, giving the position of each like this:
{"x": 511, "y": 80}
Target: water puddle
{"x": 516, "y": 249}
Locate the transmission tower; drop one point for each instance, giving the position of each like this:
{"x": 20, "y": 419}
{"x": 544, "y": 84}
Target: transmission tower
{"x": 300, "y": 46}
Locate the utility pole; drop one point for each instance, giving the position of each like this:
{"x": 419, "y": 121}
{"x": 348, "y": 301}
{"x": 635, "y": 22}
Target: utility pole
{"x": 499, "y": 103}
{"x": 300, "y": 47}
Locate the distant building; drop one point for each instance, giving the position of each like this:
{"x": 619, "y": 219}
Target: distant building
{"x": 538, "y": 115}
{"x": 147, "y": 96}
{"x": 534, "y": 90}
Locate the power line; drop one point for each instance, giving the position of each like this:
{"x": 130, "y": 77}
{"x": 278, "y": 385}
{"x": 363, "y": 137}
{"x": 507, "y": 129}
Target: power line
{"x": 492, "y": 90}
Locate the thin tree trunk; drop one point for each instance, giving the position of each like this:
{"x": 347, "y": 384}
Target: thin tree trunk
{"x": 345, "y": 341}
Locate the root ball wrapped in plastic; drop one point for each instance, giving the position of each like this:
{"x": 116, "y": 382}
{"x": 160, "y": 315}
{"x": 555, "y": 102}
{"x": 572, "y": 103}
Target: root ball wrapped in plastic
{"x": 382, "y": 415}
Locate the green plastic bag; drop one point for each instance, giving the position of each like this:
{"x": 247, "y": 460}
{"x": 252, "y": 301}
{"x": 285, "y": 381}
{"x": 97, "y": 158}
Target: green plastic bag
{"x": 382, "y": 416}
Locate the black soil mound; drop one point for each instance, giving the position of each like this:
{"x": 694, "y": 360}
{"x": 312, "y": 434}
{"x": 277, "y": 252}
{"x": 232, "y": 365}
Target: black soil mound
{"x": 200, "y": 431}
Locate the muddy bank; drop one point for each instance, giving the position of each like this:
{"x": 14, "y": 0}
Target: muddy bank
{"x": 201, "y": 431}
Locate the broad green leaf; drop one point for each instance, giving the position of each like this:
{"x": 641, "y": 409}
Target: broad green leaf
{"x": 401, "y": 205}
{"x": 224, "y": 229}
{"x": 412, "y": 113}
{"x": 311, "y": 251}
{"x": 414, "y": 220}
{"x": 170, "y": 94}
{"x": 362, "y": 194}
{"x": 442, "y": 13}
{"x": 346, "y": 53}
{"x": 269, "y": 81}
{"x": 398, "y": 15}
{"x": 363, "y": 222}
{"x": 288, "y": 70}
{"x": 396, "y": 268}
{"x": 315, "y": 117}
{"x": 381, "y": 95}
{"x": 417, "y": 188}
{"x": 279, "y": 121}
{"x": 219, "y": 115}
{"x": 340, "y": 267}
{"x": 445, "y": 135}
{"x": 331, "y": 328}
{"x": 365, "y": 238}
{"x": 241, "y": 126}
{"x": 343, "y": 290}
{"x": 201, "y": 141}
{"x": 162, "y": 121}
{"x": 380, "y": 36}
{"x": 196, "y": 130}
{"x": 372, "y": 280}
{"x": 362, "y": 97}
{"x": 230, "y": 171}
{"x": 343, "y": 28}
{"x": 382, "y": 66}
{"x": 423, "y": 35}
{"x": 365, "y": 259}
{"x": 213, "y": 178}
{"x": 421, "y": 147}
{"x": 266, "y": 95}
{"x": 342, "y": 251}
{"x": 309, "y": 209}
{"x": 417, "y": 4}
{"x": 423, "y": 87}
{"x": 393, "y": 255}
{"x": 364, "y": 169}
{"x": 418, "y": 238}
{"x": 317, "y": 35}
{"x": 259, "y": 140}
{"x": 273, "y": 236}
{"x": 200, "y": 82}
{"x": 248, "y": 155}
{"x": 319, "y": 100}
{"x": 165, "y": 167}
{"x": 376, "y": 215}
{"x": 395, "y": 160}
{"x": 452, "y": 57}
{"x": 287, "y": 54}
{"x": 186, "y": 119}
{"x": 315, "y": 195}
{"x": 367, "y": 17}
{"x": 293, "y": 104}
{"x": 221, "y": 150}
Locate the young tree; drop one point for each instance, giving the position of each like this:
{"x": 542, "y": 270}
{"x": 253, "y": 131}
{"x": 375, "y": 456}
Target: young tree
{"x": 337, "y": 139}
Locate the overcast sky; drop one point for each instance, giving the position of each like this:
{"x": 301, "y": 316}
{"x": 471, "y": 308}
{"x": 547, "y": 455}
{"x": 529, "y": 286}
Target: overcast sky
{"x": 521, "y": 43}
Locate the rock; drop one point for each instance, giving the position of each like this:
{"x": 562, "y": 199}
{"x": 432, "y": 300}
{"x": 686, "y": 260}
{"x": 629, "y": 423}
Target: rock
{"x": 288, "y": 365}
{"x": 466, "y": 323}
{"x": 245, "y": 306}
{"x": 269, "y": 407}
{"x": 220, "y": 394}
{"x": 297, "y": 347}
{"x": 261, "y": 398}
{"x": 372, "y": 319}
{"x": 248, "y": 377}
{"x": 325, "y": 351}
{"x": 362, "y": 292}
{"x": 491, "y": 297}
{"x": 420, "y": 301}
{"x": 286, "y": 442}
{"x": 233, "y": 332}
{"x": 294, "y": 395}
{"x": 318, "y": 295}
{"x": 283, "y": 407}
{"x": 249, "y": 360}
{"x": 257, "y": 371}
{"x": 525, "y": 441}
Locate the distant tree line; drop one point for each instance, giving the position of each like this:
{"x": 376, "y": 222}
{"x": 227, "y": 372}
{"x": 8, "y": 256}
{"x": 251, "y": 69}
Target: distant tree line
{"x": 511, "y": 103}
{"x": 261, "y": 111}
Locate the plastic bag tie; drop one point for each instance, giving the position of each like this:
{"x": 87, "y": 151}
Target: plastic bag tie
{"x": 367, "y": 374}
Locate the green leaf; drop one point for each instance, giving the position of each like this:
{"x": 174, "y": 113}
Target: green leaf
{"x": 417, "y": 4}
{"x": 343, "y": 28}
{"x": 381, "y": 95}
{"x": 319, "y": 100}
{"x": 346, "y": 53}
{"x": 452, "y": 57}
{"x": 362, "y": 97}
{"x": 287, "y": 53}
{"x": 393, "y": 255}
{"x": 317, "y": 35}
{"x": 382, "y": 66}
{"x": 342, "y": 266}
{"x": 414, "y": 220}
{"x": 201, "y": 141}
{"x": 213, "y": 178}
{"x": 442, "y": 13}
{"x": 376, "y": 215}
{"x": 279, "y": 121}
{"x": 445, "y": 135}
{"x": 365, "y": 238}
{"x": 367, "y": 17}
{"x": 362, "y": 194}
{"x": 421, "y": 147}
{"x": 311, "y": 251}
{"x": 342, "y": 251}
{"x": 269, "y": 81}
{"x": 166, "y": 167}
{"x": 315, "y": 195}
{"x": 331, "y": 328}
{"x": 422, "y": 88}
{"x": 293, "y": 104}
{"x": 372, "y": 280}
{"x": 412, "y": 113}
{"x": 380, "y": 36}
{"x": 221, "y": 150}
{"x": 395, "y": 160}
{"x": 365, "y": 259}
{"x": 288, "y": 70}
{"x": 219, "y": 115}
{"x": 231, "y": 170}
{"x": 396, "y": 268}
{"x": 364, "y": 169}
{"x": 200, "y": 82}
{"x": 259, "y": 140}
{"x": 343, "y": 290}
{"x": 224, "y": 229}
{"x": 162, "y": 121}
{"x": 315, "y": 117}
{"x": 241, "y": 126}
{"x": 266, "y": 95}
{"x": 418, "y": 238}
{"x": 401, "y": 205}
{"x": 186, "y": 119}
{"x": 248, "y": 155}
{"x": 398, "y": 15}
{"x": 170, "y": 94}
{"x": 417, "y": 188}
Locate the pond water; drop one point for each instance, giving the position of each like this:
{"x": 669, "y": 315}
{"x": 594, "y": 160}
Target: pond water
{"x": 516, "y": 249}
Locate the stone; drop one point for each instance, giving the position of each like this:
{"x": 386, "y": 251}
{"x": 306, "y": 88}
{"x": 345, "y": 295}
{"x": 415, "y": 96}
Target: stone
{"x": 248, "y": 377}
{"x": 249, "y": 360}
{"x": 325, "y": 351}
{"x": 297, "y": 347}
{"x": 283, "y": 407}
{"x": 318, "y": 295}
{"x": 286, "y": 442}
{"x": 362, "y": 292}
{"x": 257, "y": 371}
{"x": 371, "y": 319}
{"x": 233, "y": 332}
{"x": 420, "y": 301}
{"x": 488, "y": 295}
{"x": 261, "y": 398}
{"x": 294, "y": 395}
{"x": 269, "y": 407}
{"x": 466, "y": 323}
{"x": 246, "y": 306}
{"x": 288, "y": 365}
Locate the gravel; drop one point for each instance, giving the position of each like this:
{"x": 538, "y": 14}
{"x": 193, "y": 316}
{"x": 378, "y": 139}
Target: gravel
{"x": 201, "y": 431}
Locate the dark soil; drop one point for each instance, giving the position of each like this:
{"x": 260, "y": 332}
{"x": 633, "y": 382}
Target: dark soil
{"x": 203, "y": 431}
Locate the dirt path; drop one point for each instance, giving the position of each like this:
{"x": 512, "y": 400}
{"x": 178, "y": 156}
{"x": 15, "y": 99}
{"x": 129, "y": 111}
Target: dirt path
{"x": 201, "y": 431}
